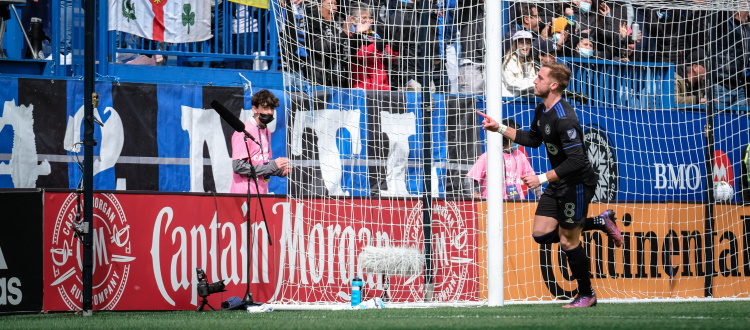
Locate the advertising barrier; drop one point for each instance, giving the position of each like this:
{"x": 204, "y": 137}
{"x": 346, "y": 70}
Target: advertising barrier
{"x": 147, "y": 249}
{"x": 21, "y": 252}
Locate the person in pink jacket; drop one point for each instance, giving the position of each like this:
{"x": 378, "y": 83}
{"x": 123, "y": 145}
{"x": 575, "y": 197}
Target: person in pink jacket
{"x": 259, "y": 158}
{"x": 516, "y": 165}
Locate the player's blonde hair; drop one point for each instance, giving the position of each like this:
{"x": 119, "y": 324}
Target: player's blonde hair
{"x": 560, "y": 73}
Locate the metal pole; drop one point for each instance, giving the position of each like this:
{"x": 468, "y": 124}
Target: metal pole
{"x": 709, "y": 220}
{"x": 88, "y": 155}
{"x": 424, "y": 64}
{"x": 495, "y": 175}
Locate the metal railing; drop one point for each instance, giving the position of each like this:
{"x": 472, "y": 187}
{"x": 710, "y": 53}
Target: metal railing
{"x": 639, "y": 85}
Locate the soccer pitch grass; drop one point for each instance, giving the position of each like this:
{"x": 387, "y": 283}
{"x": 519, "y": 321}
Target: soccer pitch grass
{"x": 696, "y": 315}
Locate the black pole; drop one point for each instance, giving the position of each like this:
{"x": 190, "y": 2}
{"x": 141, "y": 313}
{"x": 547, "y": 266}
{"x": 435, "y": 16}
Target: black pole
{"x": 708, "y": 161}
{"x": 248, "y": 299}
{"x": 423, "y": 67}
{"x": 88, "y": 155}
{"x": 709, "y": 221}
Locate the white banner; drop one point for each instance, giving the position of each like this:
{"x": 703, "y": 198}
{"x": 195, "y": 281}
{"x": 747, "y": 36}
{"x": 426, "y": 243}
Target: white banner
{"x": 162, "y": 20}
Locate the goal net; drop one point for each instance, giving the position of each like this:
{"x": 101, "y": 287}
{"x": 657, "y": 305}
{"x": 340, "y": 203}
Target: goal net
{"x": 388, "y": 151}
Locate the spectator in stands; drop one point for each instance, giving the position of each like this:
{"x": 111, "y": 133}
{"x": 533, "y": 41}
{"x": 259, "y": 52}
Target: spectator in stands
{"x": 65, "y": 34}
{"x": 519, "y": 70}
{"x": 730, "y": 59}
{"x": 544, "y": 51}
{"x": 585, "y": 48}
{"x": 670, "y": 33}
{"x": 527, "y": 19}
{"x": 368, "y": 50}
{"x": 630, "y": 45}
{"x": 470, "y": 20}
{"x": 593, "y": 18}
{"x": 326, "y": 43}
{"x": 560, "y": 31}
{"x": 148, "y": 59}
{"x": 688, "y": 82}
{"x": 256, "y": 158}
{"x": 516, "y": 164}
{"x": 293, "y": 51}
{"x": 403, "y": 32}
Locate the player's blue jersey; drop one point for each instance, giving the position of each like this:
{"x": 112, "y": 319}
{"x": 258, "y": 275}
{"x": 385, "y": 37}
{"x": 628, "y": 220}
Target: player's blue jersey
{"x": 560, "y": 131}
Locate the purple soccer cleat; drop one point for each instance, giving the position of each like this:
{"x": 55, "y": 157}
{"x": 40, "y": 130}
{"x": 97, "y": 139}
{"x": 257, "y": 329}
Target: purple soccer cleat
{"x": 582, "y": 301}
{"x": 610, "y": 227}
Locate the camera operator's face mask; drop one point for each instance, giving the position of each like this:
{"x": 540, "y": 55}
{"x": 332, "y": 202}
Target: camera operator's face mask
{"x": 265, "y": 118}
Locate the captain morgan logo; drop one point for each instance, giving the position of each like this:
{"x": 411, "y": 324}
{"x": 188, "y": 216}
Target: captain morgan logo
{"x": 601, "y": 154}
{"x": 451, "y": 254}
{"x": 112, "y": 253}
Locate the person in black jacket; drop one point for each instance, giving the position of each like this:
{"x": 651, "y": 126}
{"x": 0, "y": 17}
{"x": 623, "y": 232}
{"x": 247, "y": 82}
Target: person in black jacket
{"x": 730, "y": 53}
{"x": 327, "y": 45}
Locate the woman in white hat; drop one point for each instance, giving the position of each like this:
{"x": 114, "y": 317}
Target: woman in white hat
{"x": 519, "y": 70}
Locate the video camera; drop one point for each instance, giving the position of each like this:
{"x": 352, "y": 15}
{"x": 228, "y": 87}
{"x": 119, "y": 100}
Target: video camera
{"x": 204, "y": 288}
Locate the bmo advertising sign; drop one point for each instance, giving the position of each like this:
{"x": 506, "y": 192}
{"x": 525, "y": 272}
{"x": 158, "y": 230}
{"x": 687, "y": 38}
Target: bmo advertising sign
{"x": 147, "y": 249}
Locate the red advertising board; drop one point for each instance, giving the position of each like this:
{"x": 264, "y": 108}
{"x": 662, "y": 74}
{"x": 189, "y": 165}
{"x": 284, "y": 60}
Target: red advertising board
{"x": 147, "y": 249}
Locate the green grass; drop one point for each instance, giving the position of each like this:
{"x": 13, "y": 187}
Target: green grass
{"x": 684, "y": 315}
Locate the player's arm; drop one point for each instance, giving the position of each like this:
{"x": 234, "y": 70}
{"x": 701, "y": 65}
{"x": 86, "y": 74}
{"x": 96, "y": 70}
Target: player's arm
{"x": 534, "y": 181}
{"x": 527, "y": 138}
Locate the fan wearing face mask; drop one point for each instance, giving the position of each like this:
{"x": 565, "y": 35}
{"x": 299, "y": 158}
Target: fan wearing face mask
{"x": 585, "y": 48}
{"x": 259, "y": 160}
{"x": 519, "y": 70}
{"x": 516, "y": 164}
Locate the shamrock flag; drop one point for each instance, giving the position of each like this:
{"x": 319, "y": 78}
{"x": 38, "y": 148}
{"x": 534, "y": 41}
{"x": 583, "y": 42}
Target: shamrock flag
{"x": 162, "y": 20}
{"x": 253, "y": 3}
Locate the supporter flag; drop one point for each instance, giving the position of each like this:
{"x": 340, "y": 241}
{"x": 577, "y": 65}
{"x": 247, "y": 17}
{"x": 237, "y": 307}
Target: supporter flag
{"x": 162, "y": 20}
{"x": 253, "y": 3}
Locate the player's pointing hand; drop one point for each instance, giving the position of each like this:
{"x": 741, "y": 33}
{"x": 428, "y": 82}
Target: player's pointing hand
{"x": 489, "y": 123}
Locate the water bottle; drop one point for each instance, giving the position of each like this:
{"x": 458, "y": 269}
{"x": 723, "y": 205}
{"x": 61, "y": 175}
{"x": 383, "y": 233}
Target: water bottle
{"x": 357, "y": 285}
{"x": 636, "y": 30}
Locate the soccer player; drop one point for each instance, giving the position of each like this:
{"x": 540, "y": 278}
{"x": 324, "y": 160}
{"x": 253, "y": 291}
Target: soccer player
{"x": 560, "y": 213}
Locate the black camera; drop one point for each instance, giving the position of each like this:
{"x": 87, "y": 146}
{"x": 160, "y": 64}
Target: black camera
{"x": 204, "y": 288}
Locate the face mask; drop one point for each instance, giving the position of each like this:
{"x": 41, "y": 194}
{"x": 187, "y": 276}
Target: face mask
{"x": 555, "y": 38}
{"x": 518, "y": 52}
{"x": 585, "y": 52}
{"x": 265, "y": 119}
{"x": 585, "y": 7}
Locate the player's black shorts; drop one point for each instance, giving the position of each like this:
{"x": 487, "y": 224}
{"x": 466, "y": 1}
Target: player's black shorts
{"x": 568, "y": 204}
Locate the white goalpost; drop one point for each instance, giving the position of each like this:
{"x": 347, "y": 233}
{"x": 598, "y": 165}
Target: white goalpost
{"x": 394, "y": 180}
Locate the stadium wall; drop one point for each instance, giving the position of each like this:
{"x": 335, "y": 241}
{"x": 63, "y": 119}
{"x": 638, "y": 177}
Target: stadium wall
{"x": 166, "y": 137}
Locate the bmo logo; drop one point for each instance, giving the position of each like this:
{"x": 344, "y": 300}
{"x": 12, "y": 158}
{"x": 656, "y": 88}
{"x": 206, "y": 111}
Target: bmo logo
{"x": 678, "y": 176}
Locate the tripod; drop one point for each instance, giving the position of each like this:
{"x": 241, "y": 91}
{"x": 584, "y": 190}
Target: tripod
{"x": 248, "y": 299}
{"x": 204, "y": 303}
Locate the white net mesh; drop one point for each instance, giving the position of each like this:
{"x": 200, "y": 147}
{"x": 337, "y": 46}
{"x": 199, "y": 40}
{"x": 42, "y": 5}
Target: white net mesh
{"x": 384, "y": 139}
